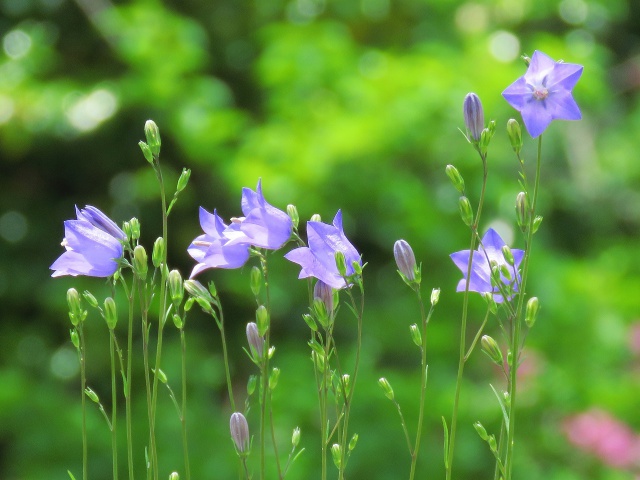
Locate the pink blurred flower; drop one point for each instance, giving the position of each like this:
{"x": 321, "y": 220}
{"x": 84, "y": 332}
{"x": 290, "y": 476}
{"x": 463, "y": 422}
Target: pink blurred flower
{"x": 634, "y": 338}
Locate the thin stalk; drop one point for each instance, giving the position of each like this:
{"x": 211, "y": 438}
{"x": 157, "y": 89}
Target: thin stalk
{"x": 219, "y": 318}
{"x": 265, "y": 378}
{"x": 83, "y": 386}
{"x": 183, "y": 414}
{"x": 114, "y": 399}
{"x": 127, "y": 386}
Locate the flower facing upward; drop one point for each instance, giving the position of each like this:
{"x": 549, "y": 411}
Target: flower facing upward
{"x": 543, "y": 94}
{"x": 319, "y": 259}
{"x": 473, "y": 116}
{"x": 262, "y": 226}
{"x": 212, "y": 250}
{"x": 489, "y": 251}
{"x": 93, "y": 245}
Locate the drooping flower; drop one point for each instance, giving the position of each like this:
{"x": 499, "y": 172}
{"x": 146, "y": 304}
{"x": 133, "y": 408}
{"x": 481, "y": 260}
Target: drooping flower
{"x": 488, "y": 252}
{"x": 93, "y": 245}
{"x": 262, "y": 226}
{"x": 318, "y": 259}
{"x": 543, "y": 93}
{"x": 213, "y": 249}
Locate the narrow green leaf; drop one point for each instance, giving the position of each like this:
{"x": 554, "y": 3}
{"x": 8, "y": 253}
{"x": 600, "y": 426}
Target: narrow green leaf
{"x": 502, "y": 406}
{"x": 446, "y": 443}
{"x": 71, "y": 475}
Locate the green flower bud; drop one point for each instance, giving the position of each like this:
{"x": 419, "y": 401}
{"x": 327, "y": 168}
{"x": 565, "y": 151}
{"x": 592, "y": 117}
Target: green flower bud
{"x": 188, "y": 304}
{"x": 152, "y": 132}
{"x": 320, "y": 312}
{"x": 146, "y": 151}
{"x": 239, "y": 432}
{"x": 183, "y": 180}
{"x": 176, "y": 287}
{"x": 508, "y": 256}
{"x": 76, "y": 314}
{"x": 415, "y": 335}
{"x": 174, "y": 476}
{"x": 485, "y": 139}
{"x": 93, "y": 396}
{"x": 212, "y": 289}
{"x": 435, "y": 296}
{"x": 341, "y": 263}
{"x": 161, "y": 375}
{"x": 466, "y": 212}
{"x": 536, "y": 223}
{"x": 295, "y": 437}
{"x": 353, "y": 442}
{"x": 491, "y": 349}
{"x": 507, "y": 399}
{"x": 90, "y": 298}
{"x": 532, "y": 311}
{"x": 140, "y": 262}
{"x": 318, "y": 361}
{"x": 292, "y": 211}
{"x": 505, "y": 271}
{"x": 336, "y": 454}
{"x": 251, "y": 384}
{"x": 197, "y": 290}
{"x": 273, "y": 378}
{"x": 110, "y": 313}
{"x": 481, "y": 431}
{"x": 455, "y": 177}
{"x": 492, "y": 443}
{"x": 256, "y": 280}
{"x": 346, "y": 383}
{"x": 515, "y": 135}
{"x": 522, "y": 211}
{"x": 262, "y": 320}
{"x": 271, "y": 351}
{"x": 491, "y": 303}
{"x": 75, "y": 340}
{"x": 159, "y": 252}
{"x": 386, "y": 388}
{"x": 526, "y": 60}
{"x": 177, "y": 321}
{"x": 308, "y": 319}
{"x": 134, "y": 225}
{"x": 357, "y": 268}
{"x": 315, "y": 218}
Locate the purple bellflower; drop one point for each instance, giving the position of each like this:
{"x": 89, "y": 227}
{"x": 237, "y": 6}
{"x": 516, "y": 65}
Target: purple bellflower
{"x": 318, "y": 260}
{"x": 93, "y": 245}
{"x": 543, "y": 94}
{"x": 262, "y": 226}
{"x": 212, "y": 250}
{"x": 489, "y": 251}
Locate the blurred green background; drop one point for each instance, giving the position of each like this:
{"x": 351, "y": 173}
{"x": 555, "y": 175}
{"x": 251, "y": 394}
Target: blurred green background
{"x": 351, "y": 104}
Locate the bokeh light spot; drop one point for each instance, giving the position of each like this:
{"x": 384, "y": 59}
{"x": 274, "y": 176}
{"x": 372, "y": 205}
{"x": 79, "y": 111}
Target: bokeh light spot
{"x": 574, "y": 12}
{"x": 504, "y": 46}
{"x": 16, "y": 44}
{"x": 64, "y": 363}
{"x": 6, "y": 109}
{"x": 13, "y": 226}
{"x": 91, "y": 110}
{"x": 472, "y": 18}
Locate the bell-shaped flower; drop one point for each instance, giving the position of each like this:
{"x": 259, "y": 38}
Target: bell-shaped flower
{"x": 213, "y": 249}
{"x": 262, "y": 226}
{"x": 488, "y": 253}
{"x": 93, "y": 245}
{"x": 318, "y": 259}
{"x": 543, "y": 93}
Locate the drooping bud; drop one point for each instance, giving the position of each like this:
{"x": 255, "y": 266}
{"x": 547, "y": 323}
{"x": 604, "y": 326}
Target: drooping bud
{"x": 435, "y": 296}
{"x": 93, "y": 396}
{"x": 177, "y": 321}
{"x": 532, "y": 311}
{"x": 522, "y": 211}
{"x": 292, "y": 211}
{"x": 146, "y": 151}
{"x": 255, "y": 280}
{"x": 262, "y": 320}
{"x": 152, "y": 132}
{"x": 176, "y": 287}
{"x": 273, "y": 378}
{"x": 140, "y": 262}
{"x": 199, "y": 293}
{"x": 466, "y": 212}
{"x": 239, "y": 432}
{"x": 295, "y": 437}
{"x": 405, "y": 260}
{"x": 416, "y": 336}
{"x": 473, "y": 116}
{"x": 491, "y": 349}
{"x": 515, "y": 135}
{"x": 90, "y": 298}
{"x": 159, "y": 252}
{"x": 255, "y": 341}
{"x": 455, "y": 177}
{"x": 183, "y": 180}
{"x": 336, "y": 454}
{"x": 386, "y": 388}
{"x": 110, "y": 313}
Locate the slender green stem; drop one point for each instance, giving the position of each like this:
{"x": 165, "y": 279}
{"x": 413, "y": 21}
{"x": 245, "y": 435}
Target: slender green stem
{"x": 83, "y": 386}
{"x": 219, "y": 318}
{"x": 183, "y": 414}
{"x": 127, "y": 386}
{"x": 265, "y": 372}
{"x": 273, "y": 439}
{"x": 114, "y": 400}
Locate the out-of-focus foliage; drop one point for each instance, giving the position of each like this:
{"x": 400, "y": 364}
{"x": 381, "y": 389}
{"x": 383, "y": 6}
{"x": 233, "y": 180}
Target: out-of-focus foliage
{"x": 352, "y": 104}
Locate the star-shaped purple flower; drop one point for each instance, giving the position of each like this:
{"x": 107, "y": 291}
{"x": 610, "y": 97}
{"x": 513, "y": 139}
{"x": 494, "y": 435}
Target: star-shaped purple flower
{"x": 212, "y": 250}
{"x": 543, "y": 94}
{"x": 319, "y": 259}
{"x": 262, "y": 226}
{"x": 489, "y": 251}
{"x": 93, "y": 245}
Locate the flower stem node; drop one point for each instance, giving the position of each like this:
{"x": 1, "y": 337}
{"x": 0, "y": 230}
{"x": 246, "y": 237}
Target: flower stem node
{"x": 406, "y": 262}
{"x": 455, "y": 177}
{"x": 386, "y": 388}
{"x": 110, "y": 313}
{"x": 240, "y": 433}
{"x": 515, "y": 135}
{"x": 415, "y": 335}
{"x": 466, "y": 212}
{"x": 140, "y": 262}
{"x": 532, "y": 311}
{"x": 176, "y": 287}
{"x": 256, "y": 281}
{"x": 491, "y": 349}
{"x": 473, "y": 117}
{"x": 159, "y": 252}
{"x": 262, "y": 320}
{"x": 152, "y": 133}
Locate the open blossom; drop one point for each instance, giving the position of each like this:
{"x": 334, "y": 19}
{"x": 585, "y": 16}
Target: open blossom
{"x": 488, "y": 252}
{"x": 93, "y": 245}
{"x": 543, "y": 94}
{"x": 213, "y": 249}
{"x": 319, "y": 259}
{"x": 262, "y": 226}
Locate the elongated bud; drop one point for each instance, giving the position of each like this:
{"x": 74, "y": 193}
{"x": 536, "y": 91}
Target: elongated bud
{"x": 134, "y": 225}
{"x": 466, "y": 212}
{"x": 271, "y": 351}
{"x": 158, "y": 255}
{"x": 435, "y": 296}
{"x": 174, "y": 476}
{"x": 491, "y": 303}
{"x": 485, "y": 139}
{"x": 199, "y": 293}
{"x": 353, "y": 442}
{"x": 161, "y": 375}
{"x": 455, "y": 177}
{"x": 183, "y": 180}
{"x": 251, "y": 384}
{"x": 255, "y": 341}
{"x": 152, "y": 132}
{"x": 341, "y": 263}
{"x": 325, "y": 293}
{"x": 346, "y": 383}
{"x": 256, "y": 280}
{"x": 90, "y": 298}
{"x": 315, "y": 218}
{"x": 481, "y": 431}
{"x": 515, "y": 135}
{"x": 473, "y": 116}
{"x": 177, "y": 321}
{"x": 176, "y": 287}
{"x": 76, "y": 314}
{"x": 416, "y": 336}
{"x": 536, "y": 223}
{"x": 336, "y": 454}
{"x": 405, "y": 260}
{"x": 386, "y": 388}
{"x": 262, "y": 320}
{"x": 93, "y": 396}
{"x": 526, "y": 60}
{"x": 308, "y": 319}
{"x": 110, "y": 313}
{"x": 508, "y": 255}
{"x": 292, "y": 211}
{"x": 522, "y": 211}
{"x": 75, "y": 340}
{"x": 295, "y": 437}
{"x": 532, "y": 311}
{"x": 239, "y": 432}
{"x": 320, "y": 312}
{"x": 491, "y": 349}
{"x": 492, "y": 443}
{"x": 146, "y": 151}
{"x": 273, "y": 378}
{"x": 212, "y": 289}
{"x": 140, "y": 262}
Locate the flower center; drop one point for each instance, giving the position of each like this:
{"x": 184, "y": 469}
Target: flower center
{"x": 540, "y": 93}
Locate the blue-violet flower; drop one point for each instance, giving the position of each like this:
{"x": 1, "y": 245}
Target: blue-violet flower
{"x": 93, "y": 245}
{"x": 543, "y": 94}
{"x": 318, "y": 260}
{"x": 488, "y": 252}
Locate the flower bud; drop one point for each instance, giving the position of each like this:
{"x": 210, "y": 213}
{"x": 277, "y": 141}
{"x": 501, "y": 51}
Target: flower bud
{"x": 76, "y": 314}
{"x": 508, "y": 256}
{"x": 251, "y": 384}
{"x": 273, "y": 378}
{"x": 415, "y": 335}
{"x": 315, "y": 218}
{"x": 140, "y": 262}
{"x": 522, "y": 211}
{"x": 110, "y": 313}
{"x": 239, "y": 432}
{"x": 532, "y": 311}
{"x": 491, "y": 349}
{"x": 325, "y": 293}
{"x": 174, "y": 476}
{"x": 199, "y": 293}
{"x": 176, "y": 287}
{"x": 255, "y": 341}
{"x": 308, "y": 319}
{"x": 536, "y": 223}
{"x": 492, "y": 443}
{"x": 93, "y": 396}
{"x": 336, "y": 454}
{"x": 146, "y": 151}
{"x": 177, "y": 321}
{"x": 255, "y": 280}
{"x": 466, "y": 212}
{"x": 134, "y": 225}
{"x": 386, "y": 388}
{"x": 152, "y": 133}
{"x": 161, "y": 375}
{"x": 75, "y": 339}
{"x": 212, "y": 289}
{"x": 481, "y": 431}
{"x": 435, "y": 296}
{"x": 183, "y": 180}
{"x": 515, "y": 135}
{"x": 485, "y": 139}
{"x": 405, "y": 260}
{"x": 473, "y": 116}
{"x": 90, "y": 298}
{"x": 346, "y": 383}
{"x": 262, "y": 320}
{"x": 455, "y": 177}
{"x": 271, "y": 351}
{"x": 526, "y": 60}
{"x": 295, "y": 437}
{"x": 292, "y": 211}
{"x": 159, "y": 252}
{"x": 353, "y": 442}
{"x": 341, "y": 263}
